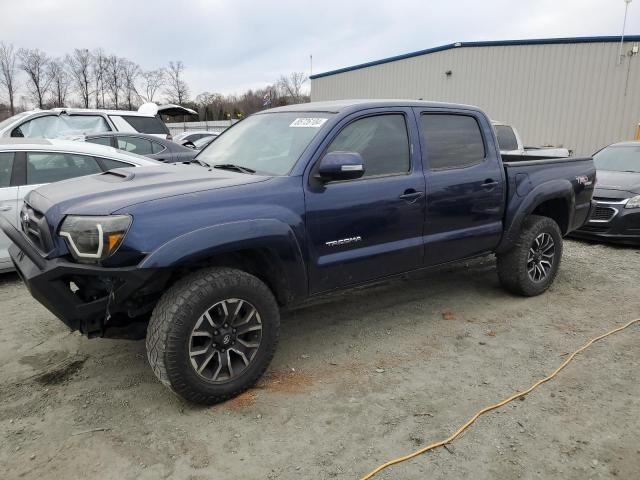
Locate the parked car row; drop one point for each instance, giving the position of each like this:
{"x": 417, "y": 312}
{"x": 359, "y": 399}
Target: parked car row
{"x": 69, "y": 122}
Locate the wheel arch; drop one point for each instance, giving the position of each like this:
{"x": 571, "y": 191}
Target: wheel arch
{"x": 554, "y": 199}
{"x": 267, "y": 249}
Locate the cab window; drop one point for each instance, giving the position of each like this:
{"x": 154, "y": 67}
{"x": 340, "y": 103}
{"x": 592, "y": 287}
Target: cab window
{"x": 382, "y": 141}
{"x": 451, "y": 141}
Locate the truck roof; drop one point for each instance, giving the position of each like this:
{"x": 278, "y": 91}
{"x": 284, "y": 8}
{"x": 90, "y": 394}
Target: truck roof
{"x": 335, "y": 106}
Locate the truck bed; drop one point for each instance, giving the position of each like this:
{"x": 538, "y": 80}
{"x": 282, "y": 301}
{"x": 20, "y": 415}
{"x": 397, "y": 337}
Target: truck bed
{"x": 573, "y": 175}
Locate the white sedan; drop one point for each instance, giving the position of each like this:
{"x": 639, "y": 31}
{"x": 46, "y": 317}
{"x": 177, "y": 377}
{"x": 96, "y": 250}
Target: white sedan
{"x": 29, "y": 163}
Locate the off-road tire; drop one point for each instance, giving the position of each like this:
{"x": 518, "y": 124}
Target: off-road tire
{"x": 512, "y": 265}
{"x": 174, "y": 317}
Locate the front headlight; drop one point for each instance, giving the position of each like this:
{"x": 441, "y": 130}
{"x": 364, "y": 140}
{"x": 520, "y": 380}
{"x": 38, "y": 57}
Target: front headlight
{"x": 92, "y": 239}
{"x": 634, "y": 202}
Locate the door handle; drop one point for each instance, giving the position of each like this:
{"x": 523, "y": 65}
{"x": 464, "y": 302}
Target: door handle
{"x": 5, "y": 208}
{"x": 489, "y": 184}
{"x": 411, "y": 194}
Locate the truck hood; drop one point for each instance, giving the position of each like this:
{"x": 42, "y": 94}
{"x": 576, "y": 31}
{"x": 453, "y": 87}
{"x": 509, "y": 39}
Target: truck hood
{"x": 107, "y": 192}
{"x": 621, "y": 182}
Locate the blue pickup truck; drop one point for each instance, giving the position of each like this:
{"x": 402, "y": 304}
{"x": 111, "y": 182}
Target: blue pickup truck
{"x": 286, "y": 205}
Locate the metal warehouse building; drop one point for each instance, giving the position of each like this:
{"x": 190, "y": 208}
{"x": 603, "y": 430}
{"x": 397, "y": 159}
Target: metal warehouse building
{"x": 579, "y": 93}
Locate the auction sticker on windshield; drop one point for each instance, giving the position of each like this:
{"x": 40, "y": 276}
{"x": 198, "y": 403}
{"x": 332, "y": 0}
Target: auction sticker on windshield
{"x": 308, "y": 122}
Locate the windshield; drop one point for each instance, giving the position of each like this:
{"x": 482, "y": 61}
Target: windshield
{"x": 268, "y": 143}
{"x": 8, "y": 121}
{"x": 621, "y": 158}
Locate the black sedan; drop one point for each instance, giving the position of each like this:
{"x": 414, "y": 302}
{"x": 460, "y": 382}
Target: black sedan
{"x": 147, "y": 145}
{"x": 616, "y": 216}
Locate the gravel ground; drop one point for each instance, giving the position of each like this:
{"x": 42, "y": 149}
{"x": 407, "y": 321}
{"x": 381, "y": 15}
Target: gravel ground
{"x": 361, "y": 378}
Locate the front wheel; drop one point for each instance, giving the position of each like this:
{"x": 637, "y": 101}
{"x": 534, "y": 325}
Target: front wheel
{"x": 530, "y": 267}
{"x": 213, "y": 334}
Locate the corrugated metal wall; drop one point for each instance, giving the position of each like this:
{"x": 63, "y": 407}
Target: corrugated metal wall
{"x": 574, "y": 95}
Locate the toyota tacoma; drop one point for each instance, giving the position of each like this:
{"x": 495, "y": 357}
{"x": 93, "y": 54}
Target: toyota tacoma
{"x": 286, "y": 205}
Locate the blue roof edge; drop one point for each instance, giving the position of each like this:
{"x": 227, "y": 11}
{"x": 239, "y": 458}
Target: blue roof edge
{"x": 488, "y": 43}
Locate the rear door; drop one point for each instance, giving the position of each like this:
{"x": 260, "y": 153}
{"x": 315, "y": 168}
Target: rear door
{"x": 8, "y": 203}
{"x": 364, "y": 229}
{"x": 465, "y": 184}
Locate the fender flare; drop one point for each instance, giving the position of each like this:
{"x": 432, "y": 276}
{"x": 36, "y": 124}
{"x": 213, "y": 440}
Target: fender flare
{"x": 551, "y": 190}
{"x": 195, "y": 247}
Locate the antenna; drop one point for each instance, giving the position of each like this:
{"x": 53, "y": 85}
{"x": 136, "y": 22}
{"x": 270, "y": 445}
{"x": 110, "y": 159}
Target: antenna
{"x": 624, "y": 24}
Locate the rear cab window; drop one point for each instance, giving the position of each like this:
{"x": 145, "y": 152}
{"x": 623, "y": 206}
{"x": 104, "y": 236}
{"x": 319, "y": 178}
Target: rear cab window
{"x": 506, "y": 138}
{"x": 451, "y": 141}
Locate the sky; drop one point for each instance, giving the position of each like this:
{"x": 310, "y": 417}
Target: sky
{"x": 228, "y": 46}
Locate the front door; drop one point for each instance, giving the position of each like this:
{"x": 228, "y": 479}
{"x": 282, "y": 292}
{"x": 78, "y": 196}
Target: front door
{"x": 364, "y": 229}
{"x": 465, "y": 184}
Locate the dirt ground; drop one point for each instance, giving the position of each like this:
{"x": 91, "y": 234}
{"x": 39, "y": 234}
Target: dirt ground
{"x": 367, "y": 376}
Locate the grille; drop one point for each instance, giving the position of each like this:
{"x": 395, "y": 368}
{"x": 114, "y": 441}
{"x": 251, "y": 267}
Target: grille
{"x": 34, "y": 226}
{"x": 603, "y": 214}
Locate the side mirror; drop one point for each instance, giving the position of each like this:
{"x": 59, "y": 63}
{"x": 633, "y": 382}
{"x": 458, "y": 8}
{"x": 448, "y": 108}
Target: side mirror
{"x": 189, "y": 144}
{"x": 341, "y": 166}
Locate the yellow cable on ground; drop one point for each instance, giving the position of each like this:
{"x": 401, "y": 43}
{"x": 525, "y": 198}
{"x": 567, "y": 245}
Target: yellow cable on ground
{"x": 495, "y": 405}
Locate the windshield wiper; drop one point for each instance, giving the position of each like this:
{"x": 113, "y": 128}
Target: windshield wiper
{"x": 235, "y": 168}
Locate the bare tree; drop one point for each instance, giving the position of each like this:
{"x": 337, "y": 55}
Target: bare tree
{"x": 80, "y": 69}
{"x": 34, "y": 63}
{"x": 177, "y": 90}
{"x": 114, "y": 78}
{"x": 60, "y": 80}
{"x": 98, "y": 68}
{"x": 292, "y": 86}
{"x": 8, "y": 72}
{"x": 152, "y": 81}
{"x": 130, "y": 73}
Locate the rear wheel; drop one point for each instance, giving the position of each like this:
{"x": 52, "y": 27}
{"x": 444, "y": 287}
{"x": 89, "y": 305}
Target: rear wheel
{"x": 531, "y": 266}
{"x": 213, "y": 334}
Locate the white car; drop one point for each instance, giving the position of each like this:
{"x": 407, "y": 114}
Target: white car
{"x": 511, "y": 144}
{"x": 76, "y": 122}
{"x": 26, "y": 164}
{"x": 193, "y": 135}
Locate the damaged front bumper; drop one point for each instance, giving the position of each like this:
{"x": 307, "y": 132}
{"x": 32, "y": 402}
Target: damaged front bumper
{"x": 87, "y": 298}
